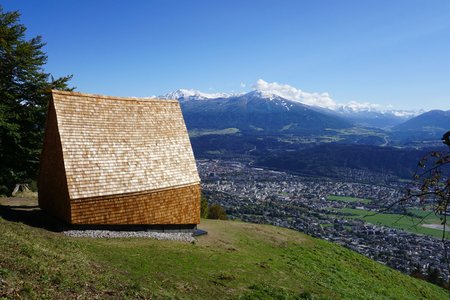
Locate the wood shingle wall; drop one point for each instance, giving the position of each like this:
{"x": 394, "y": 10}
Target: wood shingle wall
{"x": 121, "y": 161}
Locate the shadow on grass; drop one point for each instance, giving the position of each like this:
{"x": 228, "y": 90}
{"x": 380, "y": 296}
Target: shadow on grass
{"x": 26, "y": 211}
{"x": 31, "y": 215}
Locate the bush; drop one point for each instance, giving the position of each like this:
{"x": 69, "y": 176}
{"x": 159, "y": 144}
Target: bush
{"x": 217, "y": 212}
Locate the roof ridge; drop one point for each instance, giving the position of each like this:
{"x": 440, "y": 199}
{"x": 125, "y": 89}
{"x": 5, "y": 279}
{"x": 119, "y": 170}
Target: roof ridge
{"x": 111, "y": 97}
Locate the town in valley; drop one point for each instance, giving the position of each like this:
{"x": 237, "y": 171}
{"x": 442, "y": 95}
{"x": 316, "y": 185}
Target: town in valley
{"x": 350, "y": 212}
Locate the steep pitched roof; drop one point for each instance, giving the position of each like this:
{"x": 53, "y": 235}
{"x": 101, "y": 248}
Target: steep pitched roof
{"x": 117, "y": 145}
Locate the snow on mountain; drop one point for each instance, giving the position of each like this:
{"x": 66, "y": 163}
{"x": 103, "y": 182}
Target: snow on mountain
{"x": 277, "y": 100}
{"x": 324, "y": 100}
{"x": 366, "y": 108}
{"x": 189, "y": 94}
{"x": 265, "y": 95}
{"x": 354, "y": 106}
{"x": 320, "y": 101}
{"x": 353, "y": 110}
{"x": 433, "y": 120}
{"x": 406, "y": 113}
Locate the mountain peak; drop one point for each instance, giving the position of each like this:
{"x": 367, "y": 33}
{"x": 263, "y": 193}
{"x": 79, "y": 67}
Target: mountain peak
{"x": 264, "y": 95}
{"x": 434, "y": 120}
{"x": 273, "y": 91}
{"x": 190, "y": 94}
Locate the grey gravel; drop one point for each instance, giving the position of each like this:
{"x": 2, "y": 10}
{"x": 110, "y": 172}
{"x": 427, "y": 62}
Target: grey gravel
{"x": 173, "y": 236}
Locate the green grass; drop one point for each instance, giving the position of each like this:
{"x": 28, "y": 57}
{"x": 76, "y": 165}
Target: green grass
{"x": 288, "y": 126}
{"x": 329, "y": 138}
{"x": 408, "y": 223}
{"x": 357, "y": 131}
{"x": 428, "y": 216}
{"x": 348, "y": 199}
{"x": 235, "y": 260}
{"x": 215, "y": 152}
{"x": 202, "y": 132}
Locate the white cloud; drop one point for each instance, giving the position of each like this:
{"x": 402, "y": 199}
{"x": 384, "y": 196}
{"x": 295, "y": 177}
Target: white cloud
{"x": 323, "y": 100}
{"x": 242, "y": 85}
{"x": 365, "y": 106}
{"x": 291, "y": 93}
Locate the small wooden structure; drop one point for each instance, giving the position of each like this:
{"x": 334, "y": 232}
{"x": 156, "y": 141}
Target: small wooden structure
{"x": 116, "y": 161}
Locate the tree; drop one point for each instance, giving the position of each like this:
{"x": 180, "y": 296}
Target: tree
{"x": 417, "y": 272}
{"x": 217, "y": 212}
{"x": 434, "y": 276}
{"x": 24, "y": 96}
{"x": 204, "y": 208}
{"x": 431, "y": 184}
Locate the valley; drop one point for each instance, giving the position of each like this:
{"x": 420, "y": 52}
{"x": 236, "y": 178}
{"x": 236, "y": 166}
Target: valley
{"x": 330, "y": 173}
{"x": 349, "y": 213}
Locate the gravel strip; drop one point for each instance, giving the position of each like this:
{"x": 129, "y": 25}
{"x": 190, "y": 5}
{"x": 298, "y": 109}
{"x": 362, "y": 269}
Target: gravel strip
{"x": 172, "y": 236}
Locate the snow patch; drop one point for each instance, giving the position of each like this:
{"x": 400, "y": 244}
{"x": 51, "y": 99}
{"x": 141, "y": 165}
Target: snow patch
{"x": 278, "y": 91}
{"x": 188, "y": 94}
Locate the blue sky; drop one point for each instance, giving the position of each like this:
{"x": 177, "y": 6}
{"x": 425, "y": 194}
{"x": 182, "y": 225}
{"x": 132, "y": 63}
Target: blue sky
{"x": 385, "y": 52}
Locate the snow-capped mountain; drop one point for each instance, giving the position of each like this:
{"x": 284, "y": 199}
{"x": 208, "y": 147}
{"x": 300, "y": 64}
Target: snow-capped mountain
{"x": 375, "y": 117}
{"x": 434, "y": 120}
{"x": 286, "y": 97}
{"x": 189, "y": 94}
{"x": 355, "y": 107}
{"x": 257, "y": 112}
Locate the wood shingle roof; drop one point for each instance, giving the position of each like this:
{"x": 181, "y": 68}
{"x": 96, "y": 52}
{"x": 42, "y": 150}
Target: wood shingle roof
{"x": 113, "y": 145}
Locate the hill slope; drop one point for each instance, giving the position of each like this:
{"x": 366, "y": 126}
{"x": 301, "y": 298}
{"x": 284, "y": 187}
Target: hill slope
{"x": 434, "y": 119}
{"x": 429, "y": 125}
{"x": 234, "y": 260}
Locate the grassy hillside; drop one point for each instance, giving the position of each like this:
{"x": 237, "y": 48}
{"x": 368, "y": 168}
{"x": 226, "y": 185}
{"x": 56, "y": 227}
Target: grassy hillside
{"x": 235, "y": 260}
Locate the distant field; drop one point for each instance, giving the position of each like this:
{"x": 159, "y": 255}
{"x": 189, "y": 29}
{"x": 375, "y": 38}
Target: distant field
{"x": 197, "y": 133}
{"x": 348, "y": 199}
{"x": 429, "y": 216}
{"x": 407, "y": 223}
{"x": 357, "y": 131}
{"x": 330, "y": 138}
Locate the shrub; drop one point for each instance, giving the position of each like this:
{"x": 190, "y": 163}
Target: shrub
{"x": 217, "y": 212}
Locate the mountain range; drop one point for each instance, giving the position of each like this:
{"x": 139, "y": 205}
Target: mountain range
{"x": 262, "y": 112}
{"x": 256, "y": 112}
{"x": 328, "y": 140}
{"x": 432, "y": 120}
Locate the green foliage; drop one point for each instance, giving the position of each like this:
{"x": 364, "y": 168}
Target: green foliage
{"x": 33, "y": 186}
{"x": 214, "y": 211}
{"x": 217, "y": 212}
{"x": 204, "y": 207}
{"x": 203, "y": 132}
{"x": 431, "y": 183}
{"x": 24, "y": 87}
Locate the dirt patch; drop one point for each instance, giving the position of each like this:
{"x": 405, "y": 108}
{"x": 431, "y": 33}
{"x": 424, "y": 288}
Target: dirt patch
{"x": 436, "y": 226}
{"x": 18, "y": 201}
